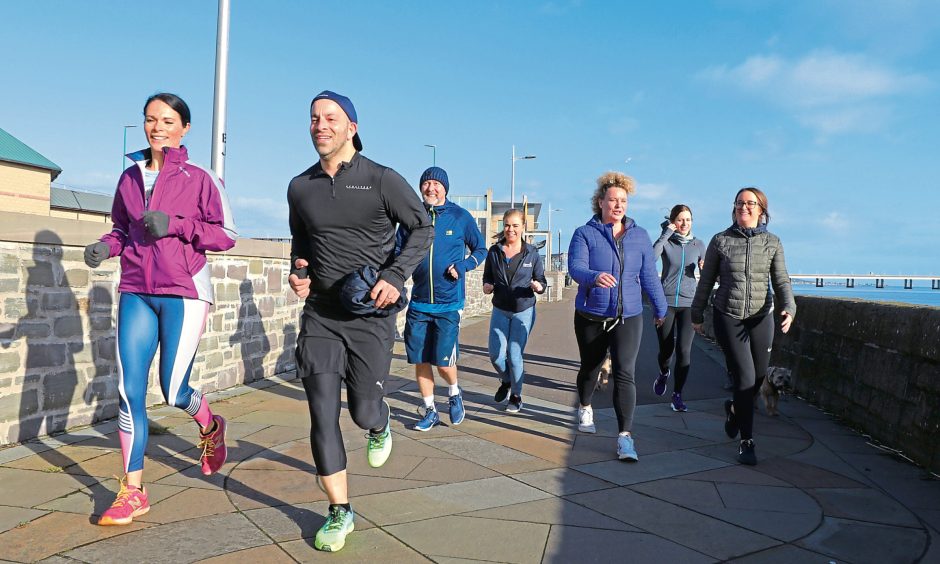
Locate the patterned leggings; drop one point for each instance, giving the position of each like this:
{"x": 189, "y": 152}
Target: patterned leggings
{"x": 144, "y": 321}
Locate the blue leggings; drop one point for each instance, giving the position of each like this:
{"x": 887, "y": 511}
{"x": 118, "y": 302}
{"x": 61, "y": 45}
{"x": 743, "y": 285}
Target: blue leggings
{"x": 509, "y": 333}
{"x": 144, "y": 321}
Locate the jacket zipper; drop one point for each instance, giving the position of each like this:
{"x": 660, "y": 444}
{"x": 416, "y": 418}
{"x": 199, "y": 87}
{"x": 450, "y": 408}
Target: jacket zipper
{"x": 619, "y": 246}
{"x": 431, "y": 257}
{"x": 747, "y": 278}
{"x": 681, "y": 269}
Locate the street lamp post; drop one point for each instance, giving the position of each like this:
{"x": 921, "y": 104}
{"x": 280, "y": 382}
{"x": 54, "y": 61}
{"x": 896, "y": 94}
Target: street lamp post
{"x": 549, "y": 239}
{"x": 512, "y": 182}
{"x": 433, "y": 154}
{"x": 125, "y": 146}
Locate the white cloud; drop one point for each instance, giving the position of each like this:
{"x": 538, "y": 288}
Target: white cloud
{"x": 835, "y": 221}
{"x": 650, "y": 191}
{"x": 826, "y": 91}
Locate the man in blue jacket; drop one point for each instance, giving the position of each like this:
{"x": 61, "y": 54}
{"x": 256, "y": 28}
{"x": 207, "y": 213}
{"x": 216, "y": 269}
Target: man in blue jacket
{"x": 437, "y": 298}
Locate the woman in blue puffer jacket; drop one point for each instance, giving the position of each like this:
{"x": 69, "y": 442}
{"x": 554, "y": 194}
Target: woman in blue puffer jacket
{"x": 611, "y": 259}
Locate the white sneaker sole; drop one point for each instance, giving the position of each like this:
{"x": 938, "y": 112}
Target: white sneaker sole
{"x": 587, "y": 429}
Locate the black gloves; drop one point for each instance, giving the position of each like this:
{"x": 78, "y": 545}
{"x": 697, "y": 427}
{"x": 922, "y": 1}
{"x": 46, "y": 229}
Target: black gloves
{"x": 157, "y": 223}
{"x": 95, "y": 253}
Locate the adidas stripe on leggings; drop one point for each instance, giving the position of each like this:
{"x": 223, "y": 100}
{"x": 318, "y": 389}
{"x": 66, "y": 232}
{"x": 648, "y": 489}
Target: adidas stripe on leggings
{"x": 143, "y": 322}
{"x": 746, "y": 344}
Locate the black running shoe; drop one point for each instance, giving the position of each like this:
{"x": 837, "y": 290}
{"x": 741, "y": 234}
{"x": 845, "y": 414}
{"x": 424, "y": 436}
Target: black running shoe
{"x": 746, "y": 453}
{"x": 502, "y": 393}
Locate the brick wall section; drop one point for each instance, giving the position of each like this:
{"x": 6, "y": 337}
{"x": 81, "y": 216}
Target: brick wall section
{"x": 875, "y": 365}
{"x": 24, "y": 189}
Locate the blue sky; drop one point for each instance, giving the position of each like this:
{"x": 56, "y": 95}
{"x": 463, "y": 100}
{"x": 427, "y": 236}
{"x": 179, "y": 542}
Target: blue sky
{"x": 830, "y": 106}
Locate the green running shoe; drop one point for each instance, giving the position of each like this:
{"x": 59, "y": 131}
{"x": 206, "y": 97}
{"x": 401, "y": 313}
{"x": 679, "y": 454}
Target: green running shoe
{"x": 332, "y": 535}
{"x": 379, "y": 446}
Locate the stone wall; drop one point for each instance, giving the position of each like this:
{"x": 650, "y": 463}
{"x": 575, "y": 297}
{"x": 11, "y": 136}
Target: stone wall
{"x": 875, "y": 365}
{"x": 57, "y": 361}
{"x": 57, "y": 345}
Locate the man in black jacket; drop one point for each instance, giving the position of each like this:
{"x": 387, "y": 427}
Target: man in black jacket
{"x": 343, "y": 212}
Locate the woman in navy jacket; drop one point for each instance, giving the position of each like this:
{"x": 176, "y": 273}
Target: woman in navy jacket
{"x": 611, "y": 259}
{"x": 513, "y": 273}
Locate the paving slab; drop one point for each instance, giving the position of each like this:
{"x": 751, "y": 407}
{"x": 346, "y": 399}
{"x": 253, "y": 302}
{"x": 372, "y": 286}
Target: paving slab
{"x": 505, "y": 541}
{"x": 478, "y": 450}
{"x": 863, "y": 505}
{"x": 652, "y": 467}
{"x": 191, "y": 503}
{"x": 55, "y": 533}
{"x": 373, "y": 545}
{"x": 579, "y": 544}
{"x": 854, "y": 541}
{"x": 19, "y": 486}
{"x": 11, "y": 517}
{"x": 184, "y": 541}
{"x": 563, "y": 481}
{"x": 270, "y": 554}
{"x": 553, "y": 511}
{"x": 449, "y": 470}
{"x": 688, "y": 528}
{"x": 735, "y": 475}
{"x": 783, "y": 554}
{"x": 435, "y": 501}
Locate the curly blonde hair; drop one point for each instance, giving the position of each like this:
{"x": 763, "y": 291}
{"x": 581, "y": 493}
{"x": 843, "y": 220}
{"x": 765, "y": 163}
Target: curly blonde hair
{"x": 608, "y": 180}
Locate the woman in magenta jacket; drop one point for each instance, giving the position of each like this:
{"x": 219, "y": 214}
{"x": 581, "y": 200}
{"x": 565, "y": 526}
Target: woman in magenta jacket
{"x": 167, "y": 212}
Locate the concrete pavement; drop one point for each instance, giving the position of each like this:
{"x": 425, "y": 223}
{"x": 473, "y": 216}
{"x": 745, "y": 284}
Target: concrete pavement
{"x": 498, "y": 488}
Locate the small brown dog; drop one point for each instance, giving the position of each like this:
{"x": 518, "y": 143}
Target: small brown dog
{"x": 776, "y": 381}
{"x": 603, "y": 376}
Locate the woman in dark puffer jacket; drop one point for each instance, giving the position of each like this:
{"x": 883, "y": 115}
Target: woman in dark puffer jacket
{"x": 746, "y": 260}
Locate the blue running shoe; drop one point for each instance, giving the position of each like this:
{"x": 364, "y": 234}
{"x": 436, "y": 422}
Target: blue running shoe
{"x": 457, "y": 412}
{"x": 659, "y": 386}
{"x": 625, "y": 448}
{"x": 429, "y": 420}
{"x": 677, "y": 404}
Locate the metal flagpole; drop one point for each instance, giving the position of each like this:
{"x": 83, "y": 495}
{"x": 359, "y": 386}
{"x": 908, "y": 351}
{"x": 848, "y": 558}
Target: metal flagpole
{"x": 221, "y": 91}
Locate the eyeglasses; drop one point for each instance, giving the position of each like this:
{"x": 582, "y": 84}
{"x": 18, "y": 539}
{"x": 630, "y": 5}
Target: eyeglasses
{"x": 751, "y": 204}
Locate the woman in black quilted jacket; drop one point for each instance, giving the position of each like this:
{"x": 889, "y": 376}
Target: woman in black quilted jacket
{"x": 746, "y": 260}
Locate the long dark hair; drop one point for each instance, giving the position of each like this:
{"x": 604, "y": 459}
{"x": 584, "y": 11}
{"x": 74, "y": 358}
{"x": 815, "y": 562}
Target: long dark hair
{"x": 172, "y": 100}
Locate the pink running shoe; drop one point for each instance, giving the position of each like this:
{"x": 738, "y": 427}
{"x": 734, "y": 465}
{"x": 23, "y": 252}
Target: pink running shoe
{"x": 213, "y": 447}
{"x": 130, "y": 502}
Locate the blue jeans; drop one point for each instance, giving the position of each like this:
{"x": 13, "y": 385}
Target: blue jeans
{"x": 509, "y": 333}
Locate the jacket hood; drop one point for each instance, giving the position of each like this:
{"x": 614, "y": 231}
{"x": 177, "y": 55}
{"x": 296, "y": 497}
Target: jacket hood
{"x": 749, "y": 231}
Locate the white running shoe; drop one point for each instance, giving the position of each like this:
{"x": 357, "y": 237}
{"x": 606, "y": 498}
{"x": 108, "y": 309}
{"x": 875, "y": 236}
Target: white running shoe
{"x": 586, "y": 420}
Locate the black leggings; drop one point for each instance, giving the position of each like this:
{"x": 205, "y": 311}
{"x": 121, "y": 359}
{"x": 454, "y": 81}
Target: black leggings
{"x": 623, "y": 340}
{"x": 334, "y": 347}
{"x": 677, "y": 326}
{"x": 746, "y": 344}
{"x": 326, "y": 439}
